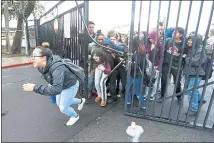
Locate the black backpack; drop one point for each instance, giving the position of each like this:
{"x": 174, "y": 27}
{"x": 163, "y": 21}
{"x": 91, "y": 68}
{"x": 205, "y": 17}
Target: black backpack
{"x": 75, "y": 69}
{"x": 205, "y": 67}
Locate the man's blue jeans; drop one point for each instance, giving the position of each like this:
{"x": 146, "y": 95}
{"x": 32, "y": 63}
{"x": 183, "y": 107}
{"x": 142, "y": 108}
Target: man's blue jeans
{"x": 137, "y": 89}
{"x": 66, "y": 98}
{"x": 196, "y": 95}
{"x": 90, "y": 83}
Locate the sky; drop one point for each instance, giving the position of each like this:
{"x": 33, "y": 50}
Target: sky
{"x": 119, "y": 13}
{"x": 109, "y": 14}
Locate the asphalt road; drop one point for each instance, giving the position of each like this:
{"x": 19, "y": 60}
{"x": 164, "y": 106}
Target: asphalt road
{"x": 111, "y": 127}
{"x": 30, "y": 117}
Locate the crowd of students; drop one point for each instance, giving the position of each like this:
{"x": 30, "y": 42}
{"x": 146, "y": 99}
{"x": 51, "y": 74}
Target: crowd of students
{"x": 146, "y": 47}
{"x": 149, "y": 59}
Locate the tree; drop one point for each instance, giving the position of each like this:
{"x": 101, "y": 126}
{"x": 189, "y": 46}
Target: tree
{"x": 21, "y": 10}
{"x": 6, "y": 18}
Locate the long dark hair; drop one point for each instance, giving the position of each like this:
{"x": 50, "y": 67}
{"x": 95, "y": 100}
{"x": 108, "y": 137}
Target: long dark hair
{"x": 104, "y": 56}
{"x": 100, "y": 54}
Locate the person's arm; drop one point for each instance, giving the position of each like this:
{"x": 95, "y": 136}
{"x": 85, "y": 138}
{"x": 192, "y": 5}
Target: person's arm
{"x": 57, "y": 83}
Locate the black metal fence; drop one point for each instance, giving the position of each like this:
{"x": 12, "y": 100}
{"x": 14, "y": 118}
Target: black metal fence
{"x": 169, "y": 110}
{"x": 64, "y": 46}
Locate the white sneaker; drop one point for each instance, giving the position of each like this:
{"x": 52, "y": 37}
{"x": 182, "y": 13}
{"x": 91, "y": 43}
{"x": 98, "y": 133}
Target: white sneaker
{"x": 151, "y": 98}
{"x": 80, "y": 106}
{"x": 72, "y": 121}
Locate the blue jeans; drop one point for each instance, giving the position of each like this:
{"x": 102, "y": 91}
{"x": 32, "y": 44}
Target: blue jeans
{"x": 66, "y": 98}
{"x": 90, "y": 83}
{"x": 196, "y": 94}
{"x": 53, "y": 99}
{"x": 137, "y": 89}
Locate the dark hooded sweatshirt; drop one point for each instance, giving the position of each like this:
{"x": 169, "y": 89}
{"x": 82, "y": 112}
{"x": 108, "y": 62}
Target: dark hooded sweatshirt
{"x": 57, "y": 75}
{"x": 176, "y": 54}
{"x": 139, "y": 55}
{"x": 198, "y": 58}
{"x": 151, "y": 52}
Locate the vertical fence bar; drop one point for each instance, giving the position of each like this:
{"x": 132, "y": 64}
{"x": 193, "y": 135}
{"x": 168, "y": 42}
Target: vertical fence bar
{"x": 76, "y": 34}
{"x": 209, "y": 108}
{"x": 78, "y": 46}
{"x": 185, "y": 84}
{"x": 213, "y": 127}
{"x": 204, "y": 44}
{"x": 36, "y": 27}
{"x": 179, "y": 68}
{"x": 130, "y": 51}
{"x": 86, "y": 41}
{"x": 162, "y": 58}
{"x": 153, "y": 58}
{"x": 134, "y": 78}
{"x": 46, "y": 33}
{"x": 196, "y": 33}
{"x": 171, "y": 57}
{"x": 71, "y": 40}
{"x": 75, "y": 37}
{"x": 140, "y": 11}
{"x": 72, "y": 33}
{"x": 148, "y": 23}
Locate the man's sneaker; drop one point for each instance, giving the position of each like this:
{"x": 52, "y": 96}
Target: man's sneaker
{"x": 151, "y": 98}
{"x": 80, "y": 106}
{"x": 159, "y": 100}
{"x": 144, "y": 107}
{"x": 72, "y": 120}
{"x": 118, "y": 95}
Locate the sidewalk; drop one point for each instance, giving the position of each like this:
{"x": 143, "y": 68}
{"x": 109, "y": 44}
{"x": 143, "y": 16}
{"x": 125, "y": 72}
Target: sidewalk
{"x": 15, "y": 61}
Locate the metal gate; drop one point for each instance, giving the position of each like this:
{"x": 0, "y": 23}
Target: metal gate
{"x": 169, "y": 111}
{"x": 65, "y": 46}
{"x": 63, "y": 34}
